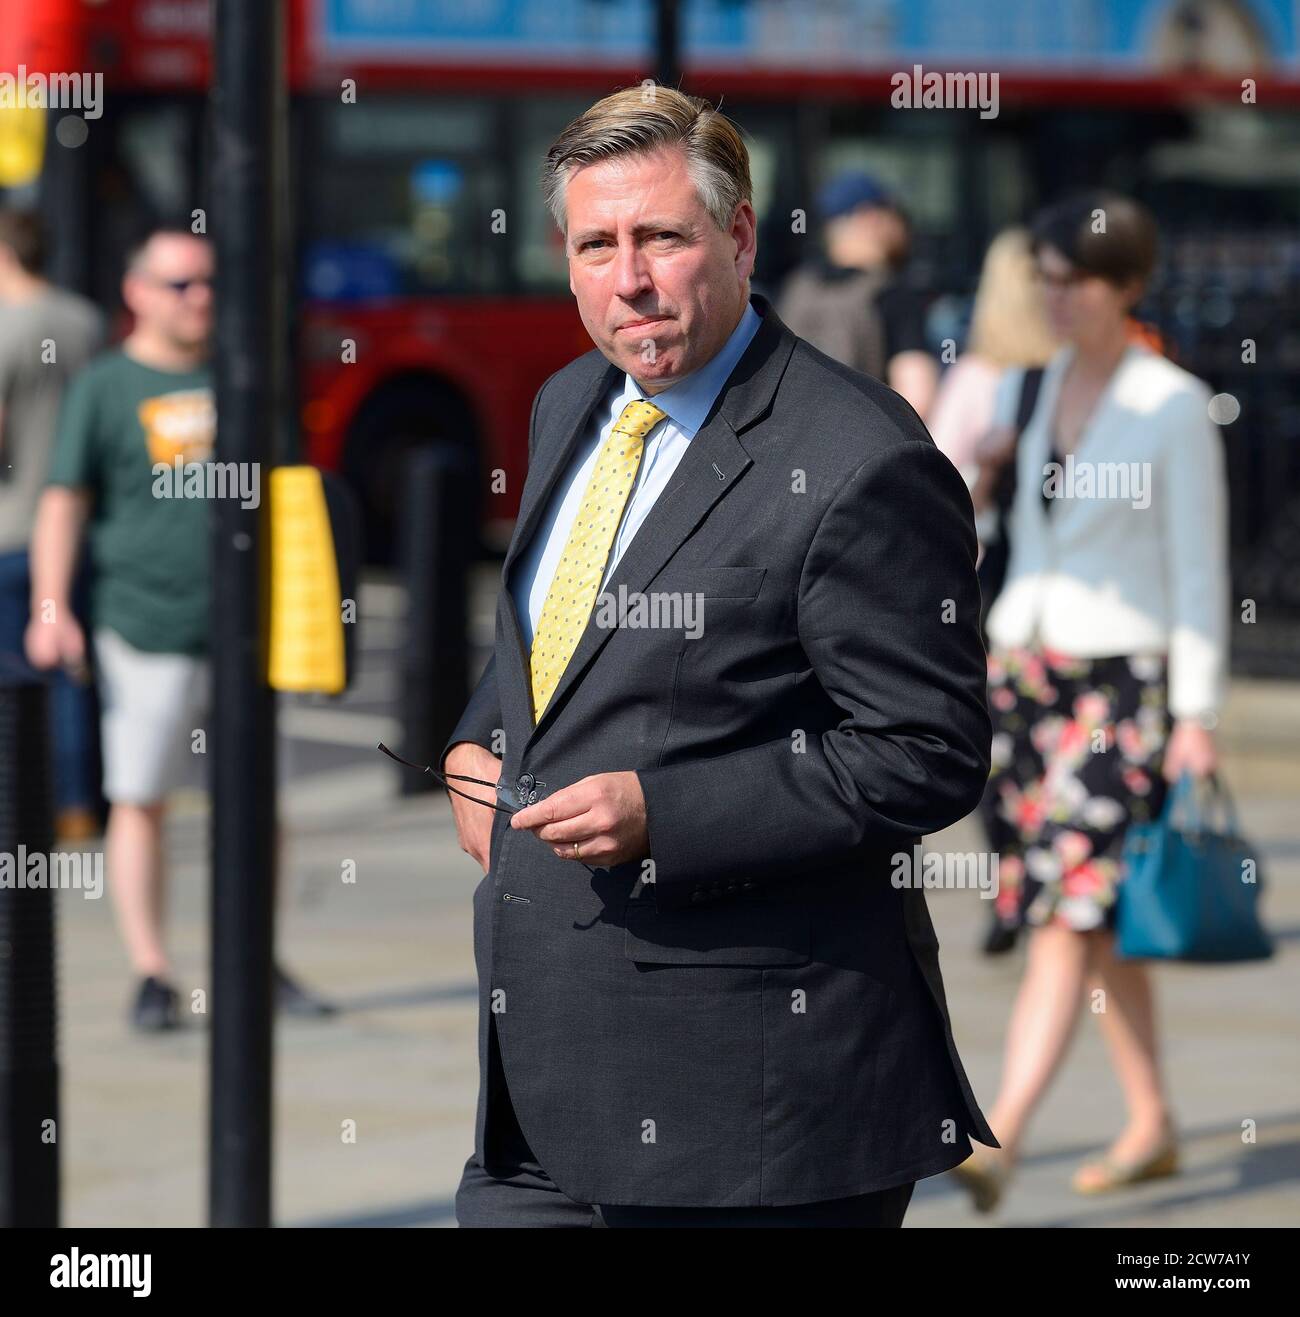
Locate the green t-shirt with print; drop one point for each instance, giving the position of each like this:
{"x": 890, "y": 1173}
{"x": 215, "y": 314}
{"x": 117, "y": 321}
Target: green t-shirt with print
{"x": 151, "y": 555}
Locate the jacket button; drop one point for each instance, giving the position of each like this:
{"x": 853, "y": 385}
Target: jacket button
{"x": 697, "y": 897}
{"x": 747, "y": 884}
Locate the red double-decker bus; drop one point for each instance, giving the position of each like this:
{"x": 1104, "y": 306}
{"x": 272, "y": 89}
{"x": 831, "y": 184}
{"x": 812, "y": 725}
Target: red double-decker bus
{"x": 431, "y": 292}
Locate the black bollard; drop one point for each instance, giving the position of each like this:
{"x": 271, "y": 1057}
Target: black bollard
{"x": 29, "y": 1071}
{"x": 436, "y": 546}
{"x": 247, "y": 176}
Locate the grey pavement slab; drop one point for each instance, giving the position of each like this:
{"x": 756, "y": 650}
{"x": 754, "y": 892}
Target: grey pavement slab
{"x": 394, "y": 950}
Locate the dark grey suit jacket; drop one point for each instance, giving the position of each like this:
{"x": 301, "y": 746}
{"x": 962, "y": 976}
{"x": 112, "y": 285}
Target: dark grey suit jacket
{"x": 764, "y": 1023}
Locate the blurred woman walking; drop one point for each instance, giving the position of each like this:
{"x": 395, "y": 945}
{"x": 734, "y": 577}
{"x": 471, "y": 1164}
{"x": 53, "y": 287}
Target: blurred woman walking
{"x": 1107, "y": 660}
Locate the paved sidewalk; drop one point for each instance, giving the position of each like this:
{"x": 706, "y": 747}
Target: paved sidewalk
{"x": 394, "y": 949}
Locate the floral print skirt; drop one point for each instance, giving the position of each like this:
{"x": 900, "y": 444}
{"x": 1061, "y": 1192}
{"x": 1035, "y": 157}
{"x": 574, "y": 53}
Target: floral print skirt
{"x": 1078, "y": 746}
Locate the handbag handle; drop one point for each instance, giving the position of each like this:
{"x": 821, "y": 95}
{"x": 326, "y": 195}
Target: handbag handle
{"x": 1200, "y": 796}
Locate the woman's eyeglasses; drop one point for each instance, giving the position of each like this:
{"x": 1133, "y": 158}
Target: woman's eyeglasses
{"x": 1060, "y": 281}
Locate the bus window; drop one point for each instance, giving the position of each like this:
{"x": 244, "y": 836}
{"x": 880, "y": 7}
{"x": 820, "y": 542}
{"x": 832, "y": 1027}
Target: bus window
{"x": 539, "y": 249}
{"x": 769, "y": 137}
{"x": 400, "y": 192}
{"x": 146, "y": 169}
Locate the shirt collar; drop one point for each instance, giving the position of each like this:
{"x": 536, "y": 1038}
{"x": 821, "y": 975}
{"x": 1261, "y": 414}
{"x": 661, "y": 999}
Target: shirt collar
{"x": 688, "y": 401}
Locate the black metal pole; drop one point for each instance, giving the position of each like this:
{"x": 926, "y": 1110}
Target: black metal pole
{"x": 65, "y": 206}
{"x": 668, "y": 42}
{"x": 247, "y": 67}
{"x": 30, "y": 1133}
{"x": 435, "y": 536}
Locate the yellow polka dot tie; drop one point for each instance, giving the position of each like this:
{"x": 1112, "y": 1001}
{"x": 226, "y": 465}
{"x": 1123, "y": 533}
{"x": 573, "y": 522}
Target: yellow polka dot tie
{"x": 581, "y": 568}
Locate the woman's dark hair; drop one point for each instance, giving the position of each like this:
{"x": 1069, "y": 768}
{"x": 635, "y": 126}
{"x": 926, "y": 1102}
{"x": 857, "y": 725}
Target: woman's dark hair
{"x": 1101, "y": 233}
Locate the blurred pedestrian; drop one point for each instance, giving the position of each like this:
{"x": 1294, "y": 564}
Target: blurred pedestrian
{"x": 46, "y": 336}
{"x": 853, "y": 301}
{"x": 1009, "y": 334}
{"x": 1106, "y": 669}
{"x": 1008, "y": 329}
{"x": 147, "y": 402}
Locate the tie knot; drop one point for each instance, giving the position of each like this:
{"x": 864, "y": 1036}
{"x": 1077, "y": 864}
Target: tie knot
{"x": 639, "y": 418}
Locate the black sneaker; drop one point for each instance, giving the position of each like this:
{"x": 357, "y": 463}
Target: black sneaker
{"x": 155, "y": 1006}
{"x": 293, "y": 999}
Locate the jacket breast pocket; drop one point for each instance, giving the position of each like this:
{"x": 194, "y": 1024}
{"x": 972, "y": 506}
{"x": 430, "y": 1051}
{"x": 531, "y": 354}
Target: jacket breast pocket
{"x": 735, "y": 933}
{"x": 738, "y": 583}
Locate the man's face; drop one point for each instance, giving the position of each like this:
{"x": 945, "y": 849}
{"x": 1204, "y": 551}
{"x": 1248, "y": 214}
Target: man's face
{"x": 659, "y": 286}
{"x": 866, "y": 237}
{"x": 169, "y": 290}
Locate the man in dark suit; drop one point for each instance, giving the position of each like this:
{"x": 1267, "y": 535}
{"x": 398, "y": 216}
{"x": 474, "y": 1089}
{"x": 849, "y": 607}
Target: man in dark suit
{"x": 737, "y": 673}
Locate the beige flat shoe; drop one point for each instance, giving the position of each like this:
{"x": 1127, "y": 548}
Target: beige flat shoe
{"x": 1108, "y": 1173}
{"x": 984, "y": 1175}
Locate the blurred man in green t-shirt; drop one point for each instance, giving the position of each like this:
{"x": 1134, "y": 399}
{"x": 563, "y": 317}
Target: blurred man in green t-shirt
{"x": 147, "y": 402}
{"x": 131, "y": 407}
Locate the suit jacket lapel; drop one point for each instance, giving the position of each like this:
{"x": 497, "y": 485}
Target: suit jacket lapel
{"x": 572, "y": 423}
{"x": 713, "y": 463}
{"x": 573, "y": 420}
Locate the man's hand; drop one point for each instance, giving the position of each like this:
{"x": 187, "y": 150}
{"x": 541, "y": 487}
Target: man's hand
{"x": 58, "y": 643}
{"x": 473, "y": 822}
{"x": 603, "y": 814}
{"x": 54, "y": 636}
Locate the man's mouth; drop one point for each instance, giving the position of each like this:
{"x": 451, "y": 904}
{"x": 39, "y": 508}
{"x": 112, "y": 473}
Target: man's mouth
{"x": 644, "y": 324}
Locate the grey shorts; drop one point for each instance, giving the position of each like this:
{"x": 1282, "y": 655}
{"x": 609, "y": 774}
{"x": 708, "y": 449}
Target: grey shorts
{"x": 151, "y": 706}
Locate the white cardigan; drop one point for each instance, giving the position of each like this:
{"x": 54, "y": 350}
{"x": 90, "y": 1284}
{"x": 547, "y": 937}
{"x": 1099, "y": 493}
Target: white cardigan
{"x": 1104, "y": 576}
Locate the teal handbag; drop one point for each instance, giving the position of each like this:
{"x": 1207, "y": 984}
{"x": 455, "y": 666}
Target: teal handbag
{"x": 1190, "y": 892}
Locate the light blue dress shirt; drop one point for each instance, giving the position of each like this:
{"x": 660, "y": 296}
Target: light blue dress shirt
{"x": 686, "y": 403}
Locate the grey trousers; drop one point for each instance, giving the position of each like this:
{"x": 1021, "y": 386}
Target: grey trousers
{"x": 518, "y": 1192}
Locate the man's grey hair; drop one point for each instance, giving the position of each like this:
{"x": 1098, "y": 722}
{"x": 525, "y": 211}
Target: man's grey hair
{"x": 644, "y": 119}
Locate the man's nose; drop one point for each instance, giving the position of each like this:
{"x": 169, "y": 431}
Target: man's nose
{"x": 631, "y": 270}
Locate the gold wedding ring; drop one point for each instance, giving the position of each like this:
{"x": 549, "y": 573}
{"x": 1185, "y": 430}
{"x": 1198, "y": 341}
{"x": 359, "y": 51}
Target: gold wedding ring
{"x": 577, "y": 855}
